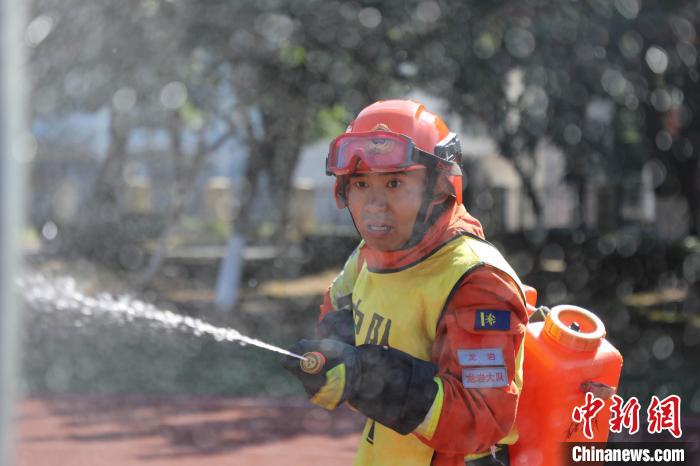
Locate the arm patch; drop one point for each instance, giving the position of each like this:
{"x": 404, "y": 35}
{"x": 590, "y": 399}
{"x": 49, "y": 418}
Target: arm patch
{"x": 484, "y": 377}
{"x": 481, "y": 357}
{"x": 491, "y": 319}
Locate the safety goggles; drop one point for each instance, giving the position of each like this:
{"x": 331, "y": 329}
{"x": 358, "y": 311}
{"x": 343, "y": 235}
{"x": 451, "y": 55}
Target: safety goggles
{"x": 384, "y": 151}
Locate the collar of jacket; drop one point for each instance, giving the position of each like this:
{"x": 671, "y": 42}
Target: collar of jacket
{"x": 455, "y": 221}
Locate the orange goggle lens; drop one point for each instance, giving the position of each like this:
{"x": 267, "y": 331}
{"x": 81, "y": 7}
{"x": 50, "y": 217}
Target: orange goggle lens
{"x": 378, "y": 150}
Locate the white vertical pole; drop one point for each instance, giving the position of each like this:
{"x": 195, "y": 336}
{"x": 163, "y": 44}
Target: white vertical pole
{"x": 12, "y": 160}
{"x": 228, "y": 281}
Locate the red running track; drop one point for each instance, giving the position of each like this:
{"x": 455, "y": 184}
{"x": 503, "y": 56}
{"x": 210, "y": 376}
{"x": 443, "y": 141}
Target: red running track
{"x": 181, "y": 430}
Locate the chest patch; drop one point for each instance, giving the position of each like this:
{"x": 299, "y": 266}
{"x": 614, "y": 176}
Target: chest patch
{"x": 488, "y": 319}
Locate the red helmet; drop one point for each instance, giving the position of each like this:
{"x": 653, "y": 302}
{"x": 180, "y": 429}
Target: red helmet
{"x": 393, "y": 135}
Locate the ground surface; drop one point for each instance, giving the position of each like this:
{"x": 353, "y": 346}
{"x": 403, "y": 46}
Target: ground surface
{"x": 198, "y": 431}
{"x": 159, "y": 431}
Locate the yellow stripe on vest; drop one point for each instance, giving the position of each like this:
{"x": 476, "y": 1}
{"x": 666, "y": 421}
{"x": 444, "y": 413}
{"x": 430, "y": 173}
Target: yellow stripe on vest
{"x": 329, "y": 395}
{"x": 429, "y": 424}
{"x": 345, "y": 281}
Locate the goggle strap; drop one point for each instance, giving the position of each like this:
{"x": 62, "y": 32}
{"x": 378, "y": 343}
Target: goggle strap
{"x": 449, "y": 149}
{"x": 438, "y": 164}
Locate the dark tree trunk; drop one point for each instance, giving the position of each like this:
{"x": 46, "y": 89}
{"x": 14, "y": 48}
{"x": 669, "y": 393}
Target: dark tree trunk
{"x": 100, "y": 210}
{"x": 286, "y": 155}
{"x": 184, "y": 190}
{"x": 526, "y": 176}
{"x": 102, "y": 205}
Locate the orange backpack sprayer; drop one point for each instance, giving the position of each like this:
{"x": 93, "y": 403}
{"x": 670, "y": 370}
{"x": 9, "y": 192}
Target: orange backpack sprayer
{"x": 566, "y": 356}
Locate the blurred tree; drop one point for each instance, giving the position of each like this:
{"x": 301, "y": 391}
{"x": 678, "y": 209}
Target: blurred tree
{"x": 603, "y": 80}
{"x": 670, "y": 110}
{"x": 84, "y": 63}
{"x": 611, "y": 82}
{"x": 128, "y": 59}
{"x": 291, "y": 62}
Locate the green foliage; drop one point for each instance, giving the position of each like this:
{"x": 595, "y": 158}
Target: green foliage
{"x": 292, "y": 55}
{"x": 191, "y": 116}
{"x": 329, "y": 122}
{"x": 196, "y": 230}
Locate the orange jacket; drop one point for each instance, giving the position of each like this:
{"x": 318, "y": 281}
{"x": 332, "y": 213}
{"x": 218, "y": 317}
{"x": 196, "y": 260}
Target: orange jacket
{"x": 471, "y": 419}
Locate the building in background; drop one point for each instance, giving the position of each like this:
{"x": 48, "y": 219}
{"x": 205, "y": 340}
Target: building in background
{"x": 494, "y": 192}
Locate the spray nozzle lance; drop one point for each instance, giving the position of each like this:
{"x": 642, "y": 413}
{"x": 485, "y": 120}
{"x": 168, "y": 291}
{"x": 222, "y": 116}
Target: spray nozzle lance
{"x": 294, "y": 355}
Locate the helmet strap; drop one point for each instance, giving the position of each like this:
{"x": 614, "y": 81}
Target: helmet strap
{"x": 429, "y": 211}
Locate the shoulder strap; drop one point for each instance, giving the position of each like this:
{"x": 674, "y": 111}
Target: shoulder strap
{"x": 489, "y": 255}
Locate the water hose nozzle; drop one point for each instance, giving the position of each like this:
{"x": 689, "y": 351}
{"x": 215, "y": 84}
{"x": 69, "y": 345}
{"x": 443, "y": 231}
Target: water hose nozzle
{"x": 313, "y": 362}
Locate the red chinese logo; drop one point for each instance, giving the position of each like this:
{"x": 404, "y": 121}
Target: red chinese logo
{"x": 587, "y": 412}
{"x": 665, "y": 415}
{"x": 661, "y": 414}
{"x": 624, "y": 415}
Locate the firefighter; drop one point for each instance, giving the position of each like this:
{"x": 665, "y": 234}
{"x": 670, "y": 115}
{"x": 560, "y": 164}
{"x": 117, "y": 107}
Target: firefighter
{"x": 423, "y": 329}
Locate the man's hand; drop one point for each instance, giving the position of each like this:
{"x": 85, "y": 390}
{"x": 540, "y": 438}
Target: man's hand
{"x": 385, "y": 384}
{"x": 332, "y": 385}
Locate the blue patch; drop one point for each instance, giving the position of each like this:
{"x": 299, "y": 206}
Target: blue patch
{"x": 486, "y": 319}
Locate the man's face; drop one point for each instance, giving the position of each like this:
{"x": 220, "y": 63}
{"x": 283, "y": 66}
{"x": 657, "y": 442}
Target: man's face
{"x": 385, "y": 206}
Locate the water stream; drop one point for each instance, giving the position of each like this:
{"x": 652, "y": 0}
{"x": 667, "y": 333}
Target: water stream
{"x": 62, "y": 294}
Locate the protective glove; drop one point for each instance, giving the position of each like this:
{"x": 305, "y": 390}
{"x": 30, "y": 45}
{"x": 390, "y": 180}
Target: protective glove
{"x": 337, "y": 325}
{"x": 333, "y": 384}
{"x": 385, "y": 384}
